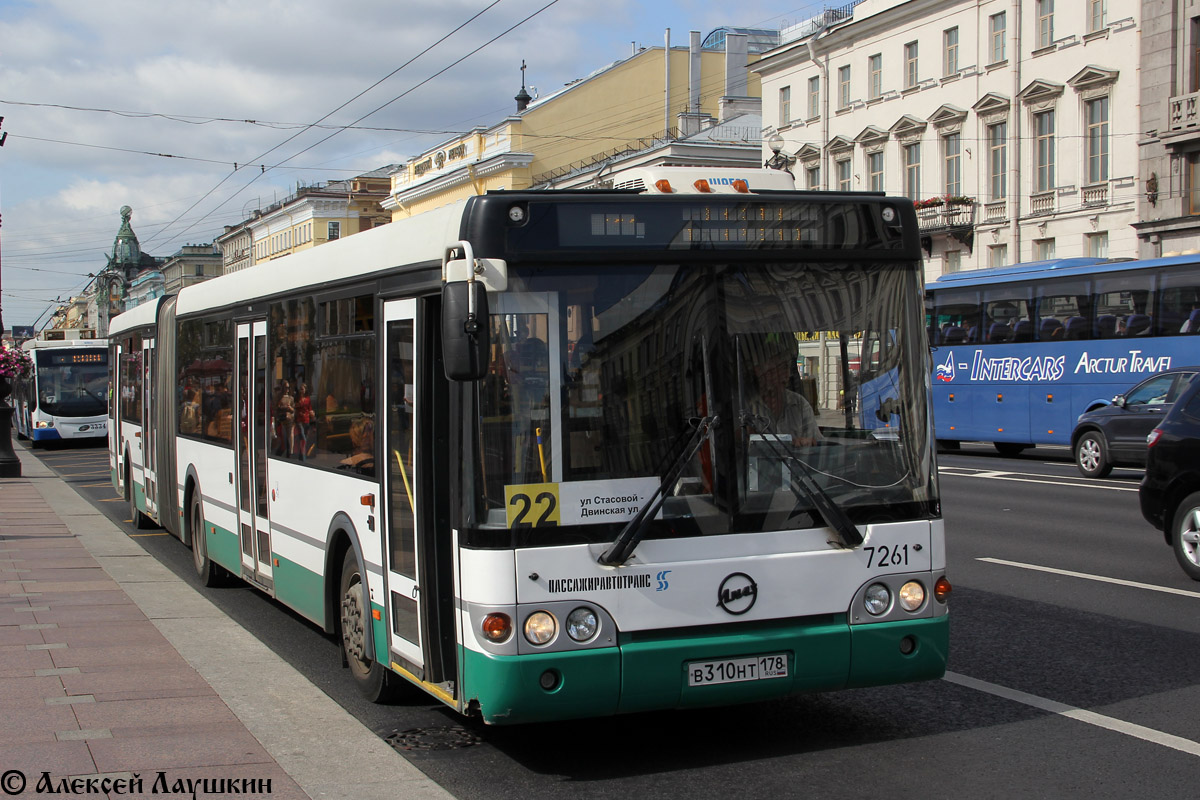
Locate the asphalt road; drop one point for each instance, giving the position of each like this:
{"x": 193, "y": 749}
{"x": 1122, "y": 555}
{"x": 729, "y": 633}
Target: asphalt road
{"x": 1074, "y": 640}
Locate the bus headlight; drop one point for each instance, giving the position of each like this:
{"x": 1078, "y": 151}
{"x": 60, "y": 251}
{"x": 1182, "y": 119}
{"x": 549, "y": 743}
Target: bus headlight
{"x": 912, "y": 596}
{"x": 877, "y": 599}
{"x": 582, "y": 624}
{"x": 41, "y": 423}
{"x": 540, "y": 627}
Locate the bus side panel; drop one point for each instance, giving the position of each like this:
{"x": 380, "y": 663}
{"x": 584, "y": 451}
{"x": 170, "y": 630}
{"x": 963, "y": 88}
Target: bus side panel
{"x": 1052, "y": 414}
{"x": 1008, "y": 412}
{"x": 215, "y": 466}
{"x": 302, "y": 502}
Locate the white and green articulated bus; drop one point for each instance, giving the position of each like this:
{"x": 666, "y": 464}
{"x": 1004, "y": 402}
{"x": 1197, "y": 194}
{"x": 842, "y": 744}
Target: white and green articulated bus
{"x": 563, "y": 454}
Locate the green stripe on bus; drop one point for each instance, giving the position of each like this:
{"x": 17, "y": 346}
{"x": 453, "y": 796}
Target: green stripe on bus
{"x": 300, "y": 588}
{"x": 379, "y": 628}
{"x": 222, "y": 547}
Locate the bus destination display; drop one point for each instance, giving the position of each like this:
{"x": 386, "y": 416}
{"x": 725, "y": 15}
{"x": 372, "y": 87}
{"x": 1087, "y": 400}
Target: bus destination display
{"x": 709, "y": 226}
{"x": 68, "y": 359}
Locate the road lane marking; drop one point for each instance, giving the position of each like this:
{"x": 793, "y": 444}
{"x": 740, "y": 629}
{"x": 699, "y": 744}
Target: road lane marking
{"x": 1086, "y": 576}
{"x": 1090, "y": 717}
{"x": 132, "y": 535}
{"x": 1033, "y": 478}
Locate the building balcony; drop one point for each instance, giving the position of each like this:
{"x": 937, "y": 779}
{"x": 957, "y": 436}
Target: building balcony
{"x": 949, "y": 215}
{"x": 1041, "y": 203}
{"x": 955, "y": 218}
{"x": 1095, "y": 194}
{"x": 995, "y": 212}
{"x": 1184, "y": 112}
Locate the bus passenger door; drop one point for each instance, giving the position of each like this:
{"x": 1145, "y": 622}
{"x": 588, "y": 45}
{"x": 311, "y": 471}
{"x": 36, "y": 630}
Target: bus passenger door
{"x": 252, "y": 437}
{"x": 149, "y": 429}
{"x": 401, "y": 542}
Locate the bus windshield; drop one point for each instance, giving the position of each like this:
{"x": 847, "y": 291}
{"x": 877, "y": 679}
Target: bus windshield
{"x": 597, "y": 382}
{"x": 72, "y": 383}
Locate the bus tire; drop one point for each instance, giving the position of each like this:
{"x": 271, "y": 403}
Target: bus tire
{"x": 210, "y": 574}
{"x": 1009, "y": 449}
{"x": 1185, "y": 535}
{"x": 370, "y": 677}
{"x": 1091, "y": 455}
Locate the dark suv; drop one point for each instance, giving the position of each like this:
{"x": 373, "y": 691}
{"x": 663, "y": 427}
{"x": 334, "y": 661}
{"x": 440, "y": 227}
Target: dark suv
{"x": 1115, "y": 435}
{"x": 1170, "y": 491}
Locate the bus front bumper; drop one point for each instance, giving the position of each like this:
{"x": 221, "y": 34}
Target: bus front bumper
{"x": 649, "y": 671}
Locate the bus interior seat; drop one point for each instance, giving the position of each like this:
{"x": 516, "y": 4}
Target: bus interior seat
{"x": 1076, "y": 328}
{"x": 1193, "y": 321}
{"x": 1137, "y": 325}
{"x": 1023, "y": 332}
{"x": 973, "y": 334}
{"x": 999, "y": 332}
{"x": 1106, "y": 326}
{"x": 954, "y": 335}
{"x": 1051, "y": 329}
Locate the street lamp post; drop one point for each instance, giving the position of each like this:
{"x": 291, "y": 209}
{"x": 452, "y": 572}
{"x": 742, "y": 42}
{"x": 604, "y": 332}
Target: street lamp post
{"x": 10, "y": 465}
{"x": 778, "y": 159}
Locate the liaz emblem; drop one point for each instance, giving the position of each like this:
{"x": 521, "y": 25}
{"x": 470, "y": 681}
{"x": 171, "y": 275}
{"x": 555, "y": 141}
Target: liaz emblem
{"x": 737, "y": 593}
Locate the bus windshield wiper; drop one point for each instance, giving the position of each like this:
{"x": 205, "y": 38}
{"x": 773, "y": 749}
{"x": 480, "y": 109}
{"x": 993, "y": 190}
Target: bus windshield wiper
{"x": 804, "y": 485}
{"x": 633, "y": 532}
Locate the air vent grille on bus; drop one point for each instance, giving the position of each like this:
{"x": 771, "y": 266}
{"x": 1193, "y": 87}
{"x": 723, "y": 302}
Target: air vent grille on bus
{"x": 636, "y": 183}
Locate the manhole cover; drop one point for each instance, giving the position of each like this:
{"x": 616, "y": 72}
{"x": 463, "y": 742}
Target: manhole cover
{"x": 449, "y": 738}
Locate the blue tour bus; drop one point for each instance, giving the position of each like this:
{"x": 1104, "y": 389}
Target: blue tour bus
{"x": 1019, "y": 352}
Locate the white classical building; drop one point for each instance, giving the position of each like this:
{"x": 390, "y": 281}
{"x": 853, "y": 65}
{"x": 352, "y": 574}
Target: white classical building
{"x": 1012, "y": 124}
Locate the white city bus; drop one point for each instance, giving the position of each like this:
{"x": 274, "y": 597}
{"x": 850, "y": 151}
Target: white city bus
{"x": 65, "y": 398}
{"x": 523, "y": 451}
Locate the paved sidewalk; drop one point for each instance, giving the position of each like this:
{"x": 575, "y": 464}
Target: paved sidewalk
{"x": 112, "y": 667}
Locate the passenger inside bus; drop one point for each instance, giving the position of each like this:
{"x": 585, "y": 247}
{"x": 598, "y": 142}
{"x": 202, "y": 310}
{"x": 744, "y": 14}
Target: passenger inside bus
{"x": 362, "y": 440}
{"x": 772, "y": 393}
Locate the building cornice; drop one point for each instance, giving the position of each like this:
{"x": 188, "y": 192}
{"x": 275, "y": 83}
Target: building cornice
{"x": 464, "y": 174}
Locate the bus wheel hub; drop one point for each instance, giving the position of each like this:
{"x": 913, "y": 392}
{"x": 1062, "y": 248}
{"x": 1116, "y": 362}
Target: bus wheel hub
{"x": 352, "y": 624}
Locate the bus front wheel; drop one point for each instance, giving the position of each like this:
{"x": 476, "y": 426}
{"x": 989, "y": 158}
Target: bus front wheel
{"x": 369, "y": 675}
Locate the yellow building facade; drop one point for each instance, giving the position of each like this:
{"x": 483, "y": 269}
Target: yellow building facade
{"x": 630, "y": 104}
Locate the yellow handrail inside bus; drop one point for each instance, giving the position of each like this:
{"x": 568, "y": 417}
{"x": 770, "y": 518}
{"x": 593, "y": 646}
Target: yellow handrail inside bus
{"x": 407, "y": 485}
{"x": 541, "y": 453}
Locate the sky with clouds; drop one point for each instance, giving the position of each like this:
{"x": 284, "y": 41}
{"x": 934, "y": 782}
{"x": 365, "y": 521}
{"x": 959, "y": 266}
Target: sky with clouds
{"x": 151, "y": 104}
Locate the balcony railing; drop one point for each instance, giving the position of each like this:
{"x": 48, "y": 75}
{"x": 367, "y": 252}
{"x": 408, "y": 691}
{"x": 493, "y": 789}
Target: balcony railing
{"x": 1184, "y": 112}
{"x": 996, "y": 211}
{"x": 1095, "y": 194}
{"x": 946, "y": 217}
{"x": 1041, "y": 203}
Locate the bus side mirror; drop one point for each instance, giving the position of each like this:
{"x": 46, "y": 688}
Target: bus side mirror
{"x": 464, "y": 330}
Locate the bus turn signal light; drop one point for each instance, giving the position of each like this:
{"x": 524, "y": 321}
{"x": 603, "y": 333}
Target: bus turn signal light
{"x": 941, "y": 590}
{"x": 663, "y": 185}
{"x": 496, "y": 627}
{"x": 702, "y": 186}
{"x": 740, "y": 185}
